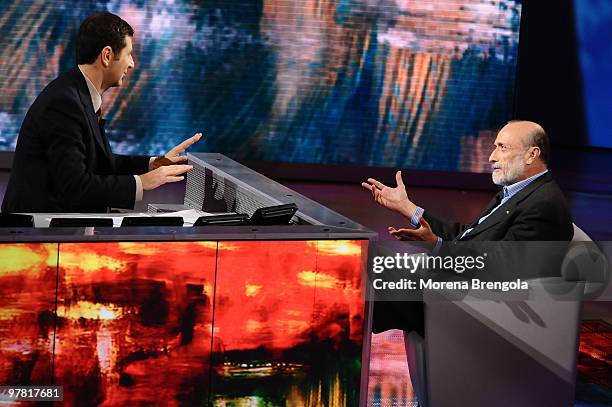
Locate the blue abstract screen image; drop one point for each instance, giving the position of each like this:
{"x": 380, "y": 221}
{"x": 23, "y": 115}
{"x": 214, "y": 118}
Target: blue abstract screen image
{"x": 594, "y": 23}
{"x": 396, "y": 83}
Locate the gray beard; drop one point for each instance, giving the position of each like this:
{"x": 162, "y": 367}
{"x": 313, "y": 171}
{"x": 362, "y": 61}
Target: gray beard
{"x": 508, "y": 177}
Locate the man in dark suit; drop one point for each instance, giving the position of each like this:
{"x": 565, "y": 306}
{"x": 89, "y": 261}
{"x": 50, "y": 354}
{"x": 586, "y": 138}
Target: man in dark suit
{"x": 530, "y": 207}
{"x": 63, "y": 161}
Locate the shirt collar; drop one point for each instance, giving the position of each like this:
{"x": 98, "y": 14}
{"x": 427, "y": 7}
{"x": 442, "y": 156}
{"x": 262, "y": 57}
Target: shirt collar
{"x": 96, "y": 98}
{"x": 510, "y": 190}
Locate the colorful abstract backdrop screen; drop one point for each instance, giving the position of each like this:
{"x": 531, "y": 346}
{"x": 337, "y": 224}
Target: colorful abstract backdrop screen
{"x": 594, "y": 26}
{"x": 396, "y": 83}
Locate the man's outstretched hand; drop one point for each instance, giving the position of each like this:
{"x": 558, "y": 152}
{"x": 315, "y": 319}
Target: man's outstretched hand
{"x": 421, "y": 234}
{"x": 174, "y": 156}
{"x": 164, "y": 175}
{"x": 395, "y": 199}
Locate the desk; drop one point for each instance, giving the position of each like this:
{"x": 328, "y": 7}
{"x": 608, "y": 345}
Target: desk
{"x": 266, "y": 315}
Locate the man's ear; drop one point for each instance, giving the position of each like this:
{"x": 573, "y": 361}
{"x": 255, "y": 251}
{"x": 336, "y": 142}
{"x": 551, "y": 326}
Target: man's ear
{"x": 106, "y": 55}
{"x": 533, "y": 154}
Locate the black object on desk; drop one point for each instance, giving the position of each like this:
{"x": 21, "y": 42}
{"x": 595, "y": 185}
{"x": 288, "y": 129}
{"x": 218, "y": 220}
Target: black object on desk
{"x": 231, "y": 219}
{"x": 14, "y": 220}
{"x": 274, "y": 215}
{"x": 152, "y": 221}
{"x": 80, "y": 222}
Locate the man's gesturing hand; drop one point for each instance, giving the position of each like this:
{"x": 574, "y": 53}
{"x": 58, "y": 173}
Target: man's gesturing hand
{"x": 163, "y": 175}
{"x": 420, "y": 234}
{"x": 174, "y": 156}
{"x": 395, "y": 199}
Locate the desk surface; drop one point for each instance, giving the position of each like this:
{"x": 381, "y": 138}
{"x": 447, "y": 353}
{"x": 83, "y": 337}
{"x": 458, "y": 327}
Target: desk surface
{"x": 289, "y": 232}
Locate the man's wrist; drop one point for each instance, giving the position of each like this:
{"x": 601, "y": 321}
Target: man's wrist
{"x": 409, "y": 208}
{"x": 437, "y": 246}
{"x": 415, "y": 216}
{"x": 139, "y": 188}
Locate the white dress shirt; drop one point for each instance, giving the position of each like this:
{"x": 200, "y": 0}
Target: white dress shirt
{"x": 96, "y": 99}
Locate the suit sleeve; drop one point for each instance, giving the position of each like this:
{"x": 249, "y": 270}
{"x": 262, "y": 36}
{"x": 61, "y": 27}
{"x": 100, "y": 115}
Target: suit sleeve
{"x": 67, "y": 157}
{"x": 131, "y": 165}
{"x": 445, "y": 229}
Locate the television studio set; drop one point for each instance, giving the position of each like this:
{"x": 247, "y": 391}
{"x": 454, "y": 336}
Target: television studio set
{"x": 306, "y": 203}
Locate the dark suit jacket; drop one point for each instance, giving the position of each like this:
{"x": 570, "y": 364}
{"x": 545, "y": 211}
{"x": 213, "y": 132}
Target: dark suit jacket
{"x": 63, "y": 161}
{"x": 537, "y": 212}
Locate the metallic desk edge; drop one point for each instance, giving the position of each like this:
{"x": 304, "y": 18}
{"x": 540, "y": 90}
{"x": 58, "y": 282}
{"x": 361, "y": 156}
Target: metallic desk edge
{"x": 257, "y": 183}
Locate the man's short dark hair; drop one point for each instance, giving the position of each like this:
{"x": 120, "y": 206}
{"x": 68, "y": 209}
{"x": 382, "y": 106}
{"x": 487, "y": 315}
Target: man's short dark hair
{"x": 98, "y": 31}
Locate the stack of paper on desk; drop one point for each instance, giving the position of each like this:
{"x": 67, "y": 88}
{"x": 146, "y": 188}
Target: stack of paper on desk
{"x": 189, "y": 216}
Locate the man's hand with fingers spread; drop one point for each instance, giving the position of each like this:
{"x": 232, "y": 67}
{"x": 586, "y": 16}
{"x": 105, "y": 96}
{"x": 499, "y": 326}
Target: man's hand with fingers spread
{"x": 395, "y": 199}
{"x": 421, "y": 234}
{"x": 174, "y": 155}
{"x": 164, "y": 175}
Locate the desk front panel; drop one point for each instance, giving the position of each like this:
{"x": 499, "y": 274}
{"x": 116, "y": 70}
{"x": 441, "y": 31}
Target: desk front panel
{"x": 185, "y": 323}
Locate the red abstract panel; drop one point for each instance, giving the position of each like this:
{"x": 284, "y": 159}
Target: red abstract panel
{"x": 340, "y": 283}
{"x": 27, "y": 304}
{"x": 288, "y": 323}
{"x": 339, "y": 316}
{"x": 135, "y": 322}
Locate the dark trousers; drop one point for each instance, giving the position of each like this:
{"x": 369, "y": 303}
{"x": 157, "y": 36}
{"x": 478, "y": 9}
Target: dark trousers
{"x": 404, "y": 315}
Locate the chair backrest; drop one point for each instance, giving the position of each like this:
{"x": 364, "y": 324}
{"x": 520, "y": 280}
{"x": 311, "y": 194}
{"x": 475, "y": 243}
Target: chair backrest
{"x": 580, "y": 235}
{"x": 540, "y": 336}
{"x": 584, "y": 261}
{"x": 512, "y": 349}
